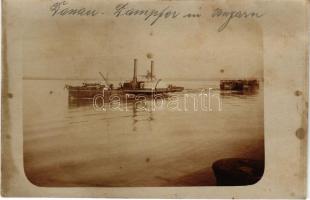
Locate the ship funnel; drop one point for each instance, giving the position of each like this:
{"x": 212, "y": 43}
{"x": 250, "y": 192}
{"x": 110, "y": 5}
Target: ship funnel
{"x": 152, "y": 69}
{"x": 134, "y": 80}
{"x": 135, "y": 70}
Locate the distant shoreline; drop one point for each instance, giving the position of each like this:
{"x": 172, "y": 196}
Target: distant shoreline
{"x": 121, "y": 79}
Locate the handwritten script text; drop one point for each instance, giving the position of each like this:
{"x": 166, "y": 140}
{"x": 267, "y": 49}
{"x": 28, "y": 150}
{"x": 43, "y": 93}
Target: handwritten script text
{"x": 151, "y": 15}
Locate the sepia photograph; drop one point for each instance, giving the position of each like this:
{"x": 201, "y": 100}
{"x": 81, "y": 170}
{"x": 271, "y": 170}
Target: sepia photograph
{"x": 155, "y": 99}
{"x": 134, "y": 99}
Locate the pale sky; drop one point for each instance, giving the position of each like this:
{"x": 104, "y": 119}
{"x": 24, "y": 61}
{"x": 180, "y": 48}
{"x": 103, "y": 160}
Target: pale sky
{"x": 80, "y": 47}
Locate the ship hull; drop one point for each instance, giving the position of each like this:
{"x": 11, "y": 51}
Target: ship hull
{"x": 78, "y": 93}
{"x": 152, "y": 91}
{"x": 239, "y": 85}
{"x": 81, "y": 93}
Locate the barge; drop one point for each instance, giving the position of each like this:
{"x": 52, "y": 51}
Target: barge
{"x": 86, "y": 91}
{"x": 239, "y": 85}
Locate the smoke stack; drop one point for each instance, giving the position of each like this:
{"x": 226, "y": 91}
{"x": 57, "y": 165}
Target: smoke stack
{"x": 152, "y": 69}
{"x": 135, "y": 70}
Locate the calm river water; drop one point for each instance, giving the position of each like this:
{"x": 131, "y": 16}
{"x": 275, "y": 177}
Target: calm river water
{"x": 75, "y": 145}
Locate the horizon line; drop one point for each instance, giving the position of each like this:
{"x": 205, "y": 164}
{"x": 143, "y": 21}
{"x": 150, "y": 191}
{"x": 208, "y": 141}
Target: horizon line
{"x": 100, "y": 79}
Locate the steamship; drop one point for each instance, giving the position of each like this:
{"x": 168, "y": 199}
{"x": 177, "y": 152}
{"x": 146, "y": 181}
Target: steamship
{"x": 144, "y": 85}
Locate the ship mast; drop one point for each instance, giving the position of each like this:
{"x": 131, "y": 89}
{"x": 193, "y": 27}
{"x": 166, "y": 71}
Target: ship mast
{"x": 104, "y": 78}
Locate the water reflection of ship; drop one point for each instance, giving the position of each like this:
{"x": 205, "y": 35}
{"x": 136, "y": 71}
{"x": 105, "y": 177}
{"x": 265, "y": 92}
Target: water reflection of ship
{"x": 136, "y": 117}
{"x": 146, "y": 85}
{"x": 238, "y": 93}
{"x": 76, "y": 103}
